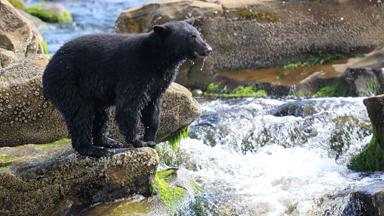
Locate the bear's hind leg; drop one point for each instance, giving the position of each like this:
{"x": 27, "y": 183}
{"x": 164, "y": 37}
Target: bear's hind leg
{"x": 99, "y": 131}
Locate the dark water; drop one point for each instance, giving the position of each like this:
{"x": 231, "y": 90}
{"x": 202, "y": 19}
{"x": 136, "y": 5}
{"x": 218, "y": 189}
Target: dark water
{"x": 89, "y": 16}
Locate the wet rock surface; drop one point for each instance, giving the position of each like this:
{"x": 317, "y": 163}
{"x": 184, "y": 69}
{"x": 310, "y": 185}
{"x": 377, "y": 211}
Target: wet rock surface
{"x": 53, "y": 179}
{"x": 367, "y": 200}
{"x": 295, "y": 108}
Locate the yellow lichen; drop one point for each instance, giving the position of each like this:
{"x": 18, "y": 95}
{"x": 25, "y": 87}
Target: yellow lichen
{"x": 250, "y": 14}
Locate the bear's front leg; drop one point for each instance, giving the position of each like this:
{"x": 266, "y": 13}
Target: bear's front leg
{"x": 150, "y": 116}
{"x": 99, "y": 130}
{"x": 127, "y": 117}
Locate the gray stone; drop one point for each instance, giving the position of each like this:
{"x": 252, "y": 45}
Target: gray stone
{"x": 255, "y": 34}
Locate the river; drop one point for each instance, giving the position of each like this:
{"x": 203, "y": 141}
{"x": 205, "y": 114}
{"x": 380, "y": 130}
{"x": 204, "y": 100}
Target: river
{"x": 244, "y": 157}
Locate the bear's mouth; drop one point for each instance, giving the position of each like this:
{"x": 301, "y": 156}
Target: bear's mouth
{"x": 202, "y": 53}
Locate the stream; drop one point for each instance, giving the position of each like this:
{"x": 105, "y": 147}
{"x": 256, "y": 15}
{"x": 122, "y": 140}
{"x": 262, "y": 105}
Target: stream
{"x": 248, "y": 161}
{"x": 245, "y": 155}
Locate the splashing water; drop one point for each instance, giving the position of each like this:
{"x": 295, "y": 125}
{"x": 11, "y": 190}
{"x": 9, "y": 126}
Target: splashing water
{"x": 248, "y": 161}
{"x": 203, "y": 64}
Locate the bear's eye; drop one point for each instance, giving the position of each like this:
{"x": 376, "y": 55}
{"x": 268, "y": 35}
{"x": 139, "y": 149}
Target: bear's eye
{"x": 193, "y": 36}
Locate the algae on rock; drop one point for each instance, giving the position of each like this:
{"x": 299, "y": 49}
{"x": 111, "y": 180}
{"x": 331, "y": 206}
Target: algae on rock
{"x": 372, "y": 156}
{"x": 53, "y": 13}
{"x": 38, "y": 180}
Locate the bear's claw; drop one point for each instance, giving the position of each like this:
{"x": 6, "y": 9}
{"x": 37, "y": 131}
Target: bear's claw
{"x": 109, "y": 143}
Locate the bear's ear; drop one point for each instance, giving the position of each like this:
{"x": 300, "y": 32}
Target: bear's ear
{"x": 190, "y": 21}
{"x": 162, "y": 29}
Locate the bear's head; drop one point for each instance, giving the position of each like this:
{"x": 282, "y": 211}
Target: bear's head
{"x": 183, "y": 39}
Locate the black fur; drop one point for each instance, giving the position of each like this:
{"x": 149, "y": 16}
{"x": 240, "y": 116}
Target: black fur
{"x": 91, "y": 73}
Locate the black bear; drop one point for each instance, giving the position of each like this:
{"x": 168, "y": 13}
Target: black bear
{"x": 91, "y": 73}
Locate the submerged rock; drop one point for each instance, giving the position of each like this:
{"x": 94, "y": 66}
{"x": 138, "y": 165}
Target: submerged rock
{"x": 260, "y": 34}
{"x": 295, "y": 108}
{"x": 52, "y": 179}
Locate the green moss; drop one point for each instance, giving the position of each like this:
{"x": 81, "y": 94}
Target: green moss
{"x": 370, "y": 159}
{"x": 335, "y": 89}
{"x": 44, "y": 47}
{"x": 326, "y": 91}
{"x": 214, "y": 88}
{"x": 176, "y": 139}
{"x": 250, "y": 14}
{"x": 6, "y": 160}
{"x": 169, "y": 195}
{"x": 19, "y": 4}
{"x": 320, "y": 57}
{"x": 55, "y": 144}
{"x": 217, "y": 90}
{"x": 248, "y": 91}
{"x": 195, "y": 187}
{"x": 371, "y": 87}
{"x": 47, "y": 16}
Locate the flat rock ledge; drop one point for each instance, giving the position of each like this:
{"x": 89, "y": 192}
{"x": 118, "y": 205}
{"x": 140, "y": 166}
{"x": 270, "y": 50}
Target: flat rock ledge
{"x": 53, "y": 179}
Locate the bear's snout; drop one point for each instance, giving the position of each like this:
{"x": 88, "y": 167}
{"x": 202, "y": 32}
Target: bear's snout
{"x": 203, "y": 49}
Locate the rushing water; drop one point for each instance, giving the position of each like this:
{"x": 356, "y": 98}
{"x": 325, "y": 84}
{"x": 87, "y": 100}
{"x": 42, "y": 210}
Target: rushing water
{"x": 250, "y": 162}
{"x": 246, "y": 157}
{"x": 89, "y": 16}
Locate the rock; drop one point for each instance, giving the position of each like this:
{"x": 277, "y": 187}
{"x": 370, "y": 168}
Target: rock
{"x": 372, "y": 156}
{"x": 257, "y": 34}
{"x": 295, "y": 108}
{"x": 366, "y": 200}
{"x": 197, "y": 93}
{"x": 50, "y": 12}
{"x": 18, "y": 39}
{"x": 52, "y": 179}
{"x": 351, "y": 204}
{"x": 178, "y": 110}
{"x": 27, "y": 117}
{"x": 366, "y": 74}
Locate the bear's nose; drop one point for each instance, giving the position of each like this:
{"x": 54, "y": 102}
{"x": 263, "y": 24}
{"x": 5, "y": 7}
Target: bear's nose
{"x": 208, "y": 49}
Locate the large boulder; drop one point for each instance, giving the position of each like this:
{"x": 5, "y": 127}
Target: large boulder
{"x": 255, "y": 34}
{"x": 27, "y": 117}
{"x": 18, "y": 38}
{"x": 52, "y": 179}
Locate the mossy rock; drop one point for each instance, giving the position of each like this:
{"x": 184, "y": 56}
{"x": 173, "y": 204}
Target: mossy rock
{"x": 50, "y": 12}
{"x": 169, "y": 194}
{"x": 19, "y": 4}
{"x": 372, "y": 157}
{"x": 221, "y": 90}
{"x": 42, "y": 179}
{"x": 335, "y": 89}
